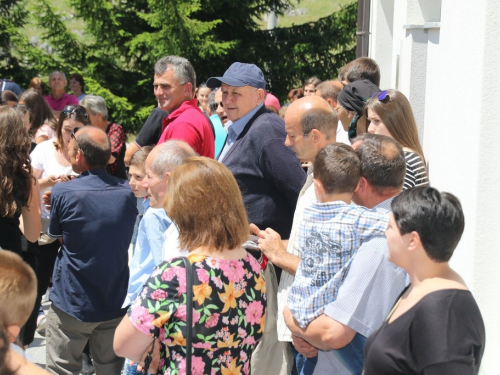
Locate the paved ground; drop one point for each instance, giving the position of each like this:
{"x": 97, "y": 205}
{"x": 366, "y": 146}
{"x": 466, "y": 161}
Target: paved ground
{"x": 36, "y": 351}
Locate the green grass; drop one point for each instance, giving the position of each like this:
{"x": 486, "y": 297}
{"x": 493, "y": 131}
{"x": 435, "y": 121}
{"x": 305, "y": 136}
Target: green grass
{"x": 312, "y": 10}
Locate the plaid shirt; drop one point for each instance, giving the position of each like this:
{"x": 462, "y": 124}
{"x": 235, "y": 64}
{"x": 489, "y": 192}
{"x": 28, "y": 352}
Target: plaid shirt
{"x": 329, "y": 235}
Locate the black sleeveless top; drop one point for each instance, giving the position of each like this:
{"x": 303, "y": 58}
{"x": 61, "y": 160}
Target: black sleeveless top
{"x": 10, "y": 234}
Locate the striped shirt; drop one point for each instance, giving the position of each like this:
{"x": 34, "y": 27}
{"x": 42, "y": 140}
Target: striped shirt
{"x": 366, "y": 296}
{"x": 416, "y": 172}
{"x": 330, "y": 233}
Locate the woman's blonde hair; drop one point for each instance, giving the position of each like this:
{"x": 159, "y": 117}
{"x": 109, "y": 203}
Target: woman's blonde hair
{"x": 396, "y": 114}
{"x": 204, "y": 201}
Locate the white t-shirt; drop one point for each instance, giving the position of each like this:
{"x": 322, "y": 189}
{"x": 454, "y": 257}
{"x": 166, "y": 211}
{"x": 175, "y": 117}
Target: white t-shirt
{"x": 171, "y": 248}
{"x": 43, "y": 158}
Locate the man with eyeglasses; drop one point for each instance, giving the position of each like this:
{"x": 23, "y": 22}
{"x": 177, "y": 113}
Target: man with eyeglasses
{"x": 94, "y": 216}
{"x": 174, "y": 86}
{"x": 58, "y": 98}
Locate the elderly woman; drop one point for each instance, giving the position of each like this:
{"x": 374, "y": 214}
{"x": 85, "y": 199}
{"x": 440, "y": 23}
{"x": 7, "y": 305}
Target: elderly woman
{"x": 98, "y": 112}
{"x": 389, "y": 113}
{"x": 350, "y": 105}
{"x": 436, "y": 326}
{"x": 229, "y": 304}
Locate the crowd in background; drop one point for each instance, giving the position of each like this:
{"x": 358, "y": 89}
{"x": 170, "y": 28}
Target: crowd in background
{"x": 279, "y": 239}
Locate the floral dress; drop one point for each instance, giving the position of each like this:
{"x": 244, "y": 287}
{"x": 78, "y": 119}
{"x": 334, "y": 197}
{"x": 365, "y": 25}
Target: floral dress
{"x": 229, "y": 313}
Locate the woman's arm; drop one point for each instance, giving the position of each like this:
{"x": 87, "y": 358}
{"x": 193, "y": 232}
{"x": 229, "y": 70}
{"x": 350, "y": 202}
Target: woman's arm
{"x": 129, "y": 342}
{"x": 31, "y": 222}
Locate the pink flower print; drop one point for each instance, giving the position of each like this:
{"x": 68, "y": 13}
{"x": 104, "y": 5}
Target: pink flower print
{"x": 225, "y": 320}
{"x": 169, "y": 273}
{"x": 142, "y": 319}
{"x": 197, "y": 366}
{"x": 241, "y": 332}
{"x": 162, "y": 363}
{"x": 217, "y": 281}
{"x": 213, "y": 372}
{"x": 156, "y": 272}
{"x": 249, "y": 341}
{"x": 212, "y": 262}
{"x": 202, "y": 275}
{"x": 246, "y": 367}
{"x": 181, "y": 314}
{"x": 234, "y": 321}
{"x": 254, "y": 264}
{"x": 253, "y": 312}
{"x": 212, "y": 321}
{"x": 202, "y": 345}
{"x": 233, "y": 270}
{"x": 181, "y": 277}
{"x": 242, "y": 304}
{"x": 243, "y": 356}
{"x": 159, "y": 295}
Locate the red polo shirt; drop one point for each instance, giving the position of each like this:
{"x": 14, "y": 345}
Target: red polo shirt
{"x": 188, "y": 123}
{"x": 63, "y": 101}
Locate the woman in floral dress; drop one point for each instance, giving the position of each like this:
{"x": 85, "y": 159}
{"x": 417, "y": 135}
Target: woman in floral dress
{"x": 229, "y": 300}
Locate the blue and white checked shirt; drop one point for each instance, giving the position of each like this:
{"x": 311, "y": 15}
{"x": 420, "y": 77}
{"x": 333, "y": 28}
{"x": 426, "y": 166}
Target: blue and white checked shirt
{"x": 330, "y": 233}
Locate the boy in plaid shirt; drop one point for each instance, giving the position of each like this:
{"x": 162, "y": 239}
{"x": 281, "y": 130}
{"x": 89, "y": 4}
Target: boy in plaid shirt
{"x": 330, "y": 233}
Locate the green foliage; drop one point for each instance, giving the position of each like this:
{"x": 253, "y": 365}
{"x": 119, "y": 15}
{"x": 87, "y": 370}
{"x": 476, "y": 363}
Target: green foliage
{"x": 123, "y": 39}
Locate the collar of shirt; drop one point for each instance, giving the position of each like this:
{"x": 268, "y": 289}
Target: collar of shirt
{"x": 234, "y": 131}
{"x": 383, "y": 206}
{"x": 145, "y": 204}
{"x": 193, "y": 103}
{"x": 96, "y": 172}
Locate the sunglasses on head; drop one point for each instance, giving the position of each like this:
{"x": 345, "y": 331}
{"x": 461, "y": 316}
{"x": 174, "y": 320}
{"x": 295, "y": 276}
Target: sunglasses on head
{"x": 381, "y": 95}
{"x": 75, "y": 110}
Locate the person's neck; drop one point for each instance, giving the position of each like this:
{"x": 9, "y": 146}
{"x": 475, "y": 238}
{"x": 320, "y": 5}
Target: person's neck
{"x": 361, "y": 125}
{"x": 77, "y": 92}
{"x": 336, "y": 197}
{"x": 424, "y": 273}
{"x": 57, "y": 94}
{"x": 230, "y": 254}
{"x": 374, "y": 198}
{"x": 103, "y": 125}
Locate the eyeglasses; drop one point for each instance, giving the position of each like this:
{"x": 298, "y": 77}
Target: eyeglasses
{"x": 73, "y": 136}
{"x": 73, "y": 111}
{"x": 380, "y": 95}
{"x": 214, "y": 106}
{"x": 337, "y": 108}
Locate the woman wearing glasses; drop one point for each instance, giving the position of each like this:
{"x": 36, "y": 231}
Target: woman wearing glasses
{"x": 51, "y": 165}
{"x": 389, "y": 113}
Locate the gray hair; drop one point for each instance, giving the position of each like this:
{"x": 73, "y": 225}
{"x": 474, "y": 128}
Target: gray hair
{"x": 95, "y": 104}
{"x": 58, "y": 72}
{"x": 182, "y": 68}
{"x": 170, "y": 155}
{"x": 211, "y": 98}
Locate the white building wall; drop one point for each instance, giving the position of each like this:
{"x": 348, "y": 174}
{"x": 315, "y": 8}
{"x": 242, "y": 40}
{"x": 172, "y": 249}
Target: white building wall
{"x": 451, "y": 74}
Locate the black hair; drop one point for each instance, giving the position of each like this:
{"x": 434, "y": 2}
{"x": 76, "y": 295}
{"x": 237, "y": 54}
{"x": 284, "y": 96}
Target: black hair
{"x": 96, "y": 154}
{"x": 436, "y": 217}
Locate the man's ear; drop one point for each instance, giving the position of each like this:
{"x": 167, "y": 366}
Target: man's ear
{"x": 318, "y": 188}
{"x": 188, "y": 90}
{"x": 167, "y": 176}
{"x": 315, "y": 135}
{"x": 261, "y": 95}
{"x": 13, "y": 331}
{"x": 362, "y": 185}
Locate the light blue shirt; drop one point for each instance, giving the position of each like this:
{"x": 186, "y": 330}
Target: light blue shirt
{"x": 235, "y": 129}
{"x": 148, "y": 249}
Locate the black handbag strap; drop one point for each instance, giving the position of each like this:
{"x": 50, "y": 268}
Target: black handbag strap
{"x": 189, "y": 313}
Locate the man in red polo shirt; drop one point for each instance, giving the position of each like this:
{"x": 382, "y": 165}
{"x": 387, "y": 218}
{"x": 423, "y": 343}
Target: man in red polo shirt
{"x": 58, "y": 99}
{"x": 174, "y": 83}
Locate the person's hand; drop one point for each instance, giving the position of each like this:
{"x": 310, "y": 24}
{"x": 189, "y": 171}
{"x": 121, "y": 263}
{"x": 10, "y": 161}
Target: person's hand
{"x": 303, "y": 347}
{"x": 47, "y": 199}
{"x": 269, "y": 242}
{"x": 64, "y": 178}
{"x": 49, "y": 181}
{"x": 155, "y": 358}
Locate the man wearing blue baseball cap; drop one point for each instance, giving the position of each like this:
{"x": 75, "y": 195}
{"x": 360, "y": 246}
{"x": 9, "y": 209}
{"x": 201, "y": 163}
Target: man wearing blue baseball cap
{"x": 270, "y": 178}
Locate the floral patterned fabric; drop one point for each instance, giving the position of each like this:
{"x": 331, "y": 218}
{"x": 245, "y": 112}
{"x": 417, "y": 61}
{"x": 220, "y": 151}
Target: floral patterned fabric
{"x": 229, "y": 313}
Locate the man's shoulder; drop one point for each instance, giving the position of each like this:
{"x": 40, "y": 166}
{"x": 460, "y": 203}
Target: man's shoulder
{"x": 91, "y": 183}
{"x": 269, "y": 120}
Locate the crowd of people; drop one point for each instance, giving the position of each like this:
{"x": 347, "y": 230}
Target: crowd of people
{"x": 284, "y": 240}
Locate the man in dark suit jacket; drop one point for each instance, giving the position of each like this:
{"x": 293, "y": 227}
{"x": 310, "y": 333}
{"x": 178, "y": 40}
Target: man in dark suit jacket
{"x": 270, "y": 179}
{"x": 268, "y": 173}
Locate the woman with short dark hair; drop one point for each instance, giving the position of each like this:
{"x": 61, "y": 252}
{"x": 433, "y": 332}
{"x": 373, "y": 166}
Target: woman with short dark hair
{"x": 436, "y": 326}
{"x": 229, "y": 304}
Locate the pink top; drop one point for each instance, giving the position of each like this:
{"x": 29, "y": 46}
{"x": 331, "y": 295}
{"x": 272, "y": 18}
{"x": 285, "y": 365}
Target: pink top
{"x": 59, "y": 104}
{"x": 45, "y": 130}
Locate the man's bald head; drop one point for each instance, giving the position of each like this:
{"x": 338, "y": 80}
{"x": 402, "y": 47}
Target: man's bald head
{"x": 95, "y": 146}
{"x": 166, "y": 156}
{"x": 313, "y": 112}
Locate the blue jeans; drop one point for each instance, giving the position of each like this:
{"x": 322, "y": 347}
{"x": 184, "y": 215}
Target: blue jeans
{"x": 351, "y": 355}
{"x": 130, "y": 370}
{"x": 303, "y": 365}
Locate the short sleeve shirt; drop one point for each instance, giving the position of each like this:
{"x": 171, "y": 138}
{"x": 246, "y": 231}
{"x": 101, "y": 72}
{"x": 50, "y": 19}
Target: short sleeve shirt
{"x": 95, "y": 216}
{"x": 151, "y": 130}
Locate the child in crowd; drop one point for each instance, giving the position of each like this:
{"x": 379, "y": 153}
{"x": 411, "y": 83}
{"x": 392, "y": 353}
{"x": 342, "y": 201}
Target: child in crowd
{"x": 148, "y": 248}
{"x": 330, "y": 233}
{"x": 17, "y": 299}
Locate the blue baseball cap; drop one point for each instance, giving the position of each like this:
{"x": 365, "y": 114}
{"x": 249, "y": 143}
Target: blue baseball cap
{"x": 240, "y": 74}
